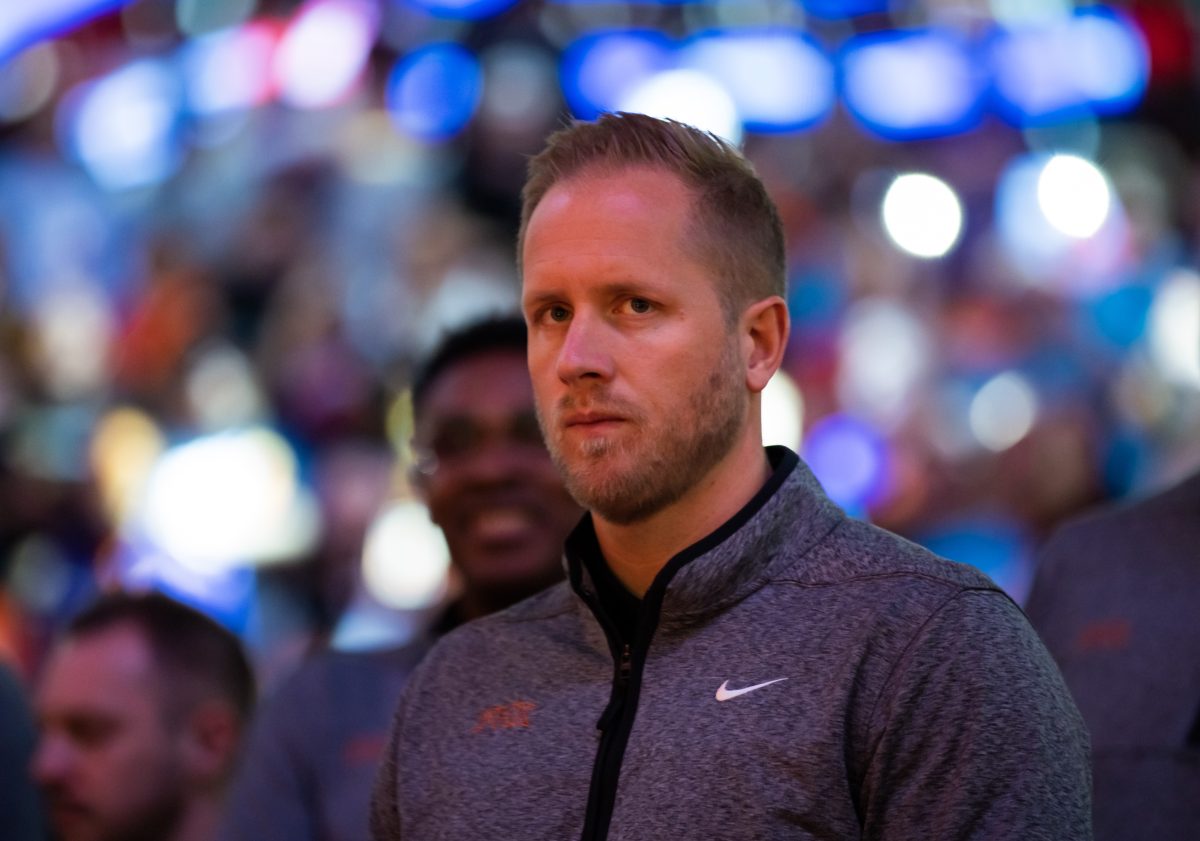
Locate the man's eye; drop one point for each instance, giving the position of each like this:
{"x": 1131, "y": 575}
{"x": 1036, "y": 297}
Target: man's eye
{"x": 454, "y": 438}
{"x": 558, "y": 313}
{"x": 640, "y": 305}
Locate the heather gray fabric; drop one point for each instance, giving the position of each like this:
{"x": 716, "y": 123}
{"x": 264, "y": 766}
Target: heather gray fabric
{"x": 308, "y": 765}
{"x": 1117, "y": 600}
{"x": 917, "y": 704}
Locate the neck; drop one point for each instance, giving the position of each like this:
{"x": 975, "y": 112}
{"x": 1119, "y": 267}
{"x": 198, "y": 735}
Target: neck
{"x": 200, "y": 819}
{"x": 637, "y": 552}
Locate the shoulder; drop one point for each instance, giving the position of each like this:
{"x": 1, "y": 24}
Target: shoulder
{"x": 859, "y": 553}
{"x": 473, "y": 641}
{"x": 1123, "y": 530}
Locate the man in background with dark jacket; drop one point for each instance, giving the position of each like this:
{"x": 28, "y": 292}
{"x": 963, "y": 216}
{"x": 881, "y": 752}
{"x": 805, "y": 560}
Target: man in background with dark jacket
{"x": 1117, "y": 600}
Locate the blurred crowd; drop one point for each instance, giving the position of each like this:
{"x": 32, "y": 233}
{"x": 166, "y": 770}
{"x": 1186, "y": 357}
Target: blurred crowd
{"x": 284, "y": 273}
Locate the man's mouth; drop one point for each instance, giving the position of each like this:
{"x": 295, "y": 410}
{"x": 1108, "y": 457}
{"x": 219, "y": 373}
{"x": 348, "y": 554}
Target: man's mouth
{"x": 591, "y": 420}
{"x": 502, "y": 524}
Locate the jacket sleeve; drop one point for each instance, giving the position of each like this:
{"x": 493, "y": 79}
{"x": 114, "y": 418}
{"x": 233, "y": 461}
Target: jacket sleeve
{"x": 975, "y": 736}
{"x": 271, "y": 798}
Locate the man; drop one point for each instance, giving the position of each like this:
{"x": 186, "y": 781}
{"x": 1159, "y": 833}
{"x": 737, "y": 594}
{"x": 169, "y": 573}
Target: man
{"x": 142, "y": 706}
{"x": 490, "y": 485}
{"x": 733, "y": 657}
{"x": 1115, "y": 599}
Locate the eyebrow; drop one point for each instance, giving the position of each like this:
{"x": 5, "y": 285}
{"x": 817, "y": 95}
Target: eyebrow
{"x": 609, "y": 289}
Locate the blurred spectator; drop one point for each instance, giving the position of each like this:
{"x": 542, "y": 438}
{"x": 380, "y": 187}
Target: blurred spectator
{"x": 142, "y": 707}
{"x": 19, "y": 804}
{"x": 1115, "y": 600}
{"x": 490, "y": 485}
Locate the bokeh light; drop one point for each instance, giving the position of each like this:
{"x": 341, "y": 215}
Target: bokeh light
{"x": 433, "y": 92}
{"x": 1074, "y": 195}
{"x": 125, "y": 446}
{"x": 849, "y": 457}
{"x": 1174, "y": 330}
{"x": 913, "y": 84}
{"x": 230, "y": 70}
{"x": 28, "y": 81}
{"x": 885, "y": 352}
{"x": 1003, "y": 411}
{"x": 779, "y": 81}
{"x": 599, "y": 69}
{"x": 124, "y": 127}
{"x": 688, "y": 96}
{"x": 782, "y": 412}
{"x": 922, "y": 215}
{"x": 226, "y": 499}
{"x": 406, "y": 561}
{"x": 324, "y": 50}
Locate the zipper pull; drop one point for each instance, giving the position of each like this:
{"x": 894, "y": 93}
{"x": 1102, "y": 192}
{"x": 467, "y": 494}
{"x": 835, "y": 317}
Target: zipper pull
{"x": 617, "y": 701}
{"x": 625, "y": 667}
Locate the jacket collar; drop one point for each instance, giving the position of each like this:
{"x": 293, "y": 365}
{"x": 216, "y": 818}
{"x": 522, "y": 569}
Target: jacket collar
{"x": 790, "y": 512}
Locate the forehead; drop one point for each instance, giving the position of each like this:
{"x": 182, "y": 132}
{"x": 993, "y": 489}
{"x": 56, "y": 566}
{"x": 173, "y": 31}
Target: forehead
{"x": 609, "y": 203}
{"x": 111, "y": 669}
{"x": 634, "y": 222}
{"x": 491, "y": 383}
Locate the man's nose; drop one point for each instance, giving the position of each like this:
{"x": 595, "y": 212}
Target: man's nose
{"x": 586, "y": 351}
{"x": 51, "y": 760}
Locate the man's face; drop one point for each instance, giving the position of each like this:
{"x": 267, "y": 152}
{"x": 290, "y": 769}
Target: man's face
{"x": 493, "y": 489}
{"x": 106, "y": 761}
{"x": 639, "y": 385}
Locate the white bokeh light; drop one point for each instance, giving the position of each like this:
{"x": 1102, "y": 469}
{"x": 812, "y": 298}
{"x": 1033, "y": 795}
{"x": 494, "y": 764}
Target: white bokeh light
{"x": 782, "y": 412}
{"x": 1174, "y": 329}
{"x": 922, "y": 215}
{"x": 405, "y": 560}
{"x": 688, "y": 96}
{"x": 324, "y": 51}
{"x": 1074, "y": 195}
{"x": 885, "y": 352}
{"x": 1003, "y": 411}
{"x": 226, "y": 499}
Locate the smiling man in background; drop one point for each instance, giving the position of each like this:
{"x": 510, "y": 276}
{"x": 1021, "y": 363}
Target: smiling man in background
{"x": 733, "y": 657}
{"x": 491, "y": 487}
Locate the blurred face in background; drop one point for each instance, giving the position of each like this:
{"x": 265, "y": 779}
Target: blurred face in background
{"x": 107, "y": 761}
{"x": 489, "y": 482}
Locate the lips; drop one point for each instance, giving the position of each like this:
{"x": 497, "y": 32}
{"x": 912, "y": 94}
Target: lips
{"x": 590, "y": 419}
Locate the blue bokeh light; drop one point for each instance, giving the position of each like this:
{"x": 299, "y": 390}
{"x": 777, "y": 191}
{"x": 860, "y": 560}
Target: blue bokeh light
{"x": 598, "y": 70}
{"x": 849, "y": 457}
{"x": 995, "y": 544}
{"x": 125, "y": 128}
{"x": 25, "y": 23}
{"x": 433, "y": 92}
{"x": 913, "y": 84}
{"x": 780, "y": 80}
{"x": 462, "y": 9}
{"x": 1094, "y": 62}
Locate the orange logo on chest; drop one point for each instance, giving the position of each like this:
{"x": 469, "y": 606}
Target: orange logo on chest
{"x": 511, "y": 716}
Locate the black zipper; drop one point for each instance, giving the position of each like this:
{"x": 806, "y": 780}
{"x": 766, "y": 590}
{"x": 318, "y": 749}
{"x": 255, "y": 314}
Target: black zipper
{"x": 616, "y": 722}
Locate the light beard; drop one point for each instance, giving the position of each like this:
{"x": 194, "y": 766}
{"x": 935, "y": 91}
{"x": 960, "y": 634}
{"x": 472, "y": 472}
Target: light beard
{"x": 628, "y": 481}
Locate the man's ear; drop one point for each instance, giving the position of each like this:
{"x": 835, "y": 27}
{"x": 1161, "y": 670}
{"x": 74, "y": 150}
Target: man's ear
{"x": 764, "y": 331}
{"x": 210, "y": 741}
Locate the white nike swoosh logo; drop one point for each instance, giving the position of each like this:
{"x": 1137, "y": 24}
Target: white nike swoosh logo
{"x": 724, "y": 693}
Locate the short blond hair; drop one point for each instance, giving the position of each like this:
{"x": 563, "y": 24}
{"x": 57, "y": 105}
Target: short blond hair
{"x": 735, "y": 226}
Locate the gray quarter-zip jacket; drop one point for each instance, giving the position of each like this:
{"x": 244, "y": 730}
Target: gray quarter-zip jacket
{"x": 797, "y": 674}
